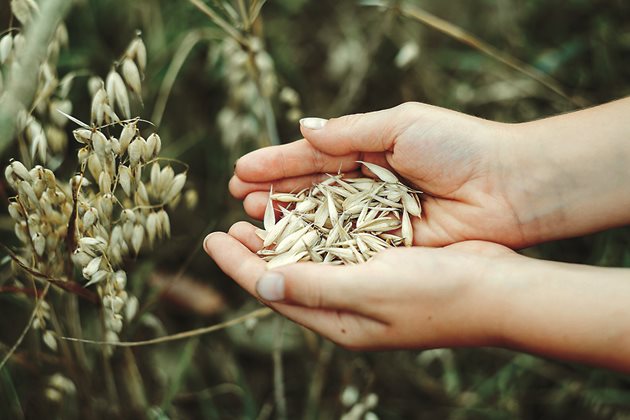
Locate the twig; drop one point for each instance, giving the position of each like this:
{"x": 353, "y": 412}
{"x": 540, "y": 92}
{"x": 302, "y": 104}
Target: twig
{"x": 469, "y": 39}
{"x": 259, "y": 313}
{"x": 26, "y": 329}
{"x": 21, "y": 87}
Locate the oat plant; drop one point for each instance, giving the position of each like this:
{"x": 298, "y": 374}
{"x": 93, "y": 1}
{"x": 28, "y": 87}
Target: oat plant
{"x": 78, "y": 236}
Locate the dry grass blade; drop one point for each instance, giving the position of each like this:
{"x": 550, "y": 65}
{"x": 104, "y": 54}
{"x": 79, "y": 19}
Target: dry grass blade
{"x": 259, "y": 313}
{"x": 469, "y": 39}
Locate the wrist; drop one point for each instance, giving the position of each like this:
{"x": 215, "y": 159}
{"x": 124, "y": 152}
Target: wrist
{"x": 533, "y": 182}
{"x": 569, "y": 311}
{"x": 483, "y": 302}
{"x": 501, "y": 281}
{"x": 568, "y": 175}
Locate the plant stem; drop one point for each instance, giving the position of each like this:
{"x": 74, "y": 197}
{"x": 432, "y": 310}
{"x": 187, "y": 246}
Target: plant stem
{"x": 278, "y": 375}
{"x": 258, "y": 313}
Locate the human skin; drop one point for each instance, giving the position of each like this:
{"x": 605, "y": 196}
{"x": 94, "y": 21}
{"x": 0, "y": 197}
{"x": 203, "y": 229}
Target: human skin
{"x": 513, "y": 184}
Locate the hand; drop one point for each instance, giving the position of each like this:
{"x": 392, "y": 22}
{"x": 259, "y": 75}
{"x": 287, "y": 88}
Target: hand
{"x": 455, "y": 158}
{"x": 467, "y": 294}
{"x": 403, "y": 297}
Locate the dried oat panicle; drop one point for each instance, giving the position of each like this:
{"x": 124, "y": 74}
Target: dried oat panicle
{"x": 340, "y": 220}
{"x": 113, "y": 208}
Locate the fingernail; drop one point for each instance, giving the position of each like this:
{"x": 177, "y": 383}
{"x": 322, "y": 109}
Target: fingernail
{"x": 271, "y": 286}
{"x": 313, "y": 123}
{"x": 205, "y": 243}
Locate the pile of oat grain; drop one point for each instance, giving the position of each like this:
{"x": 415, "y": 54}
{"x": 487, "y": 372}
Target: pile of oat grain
{"x": 340, "y": 220}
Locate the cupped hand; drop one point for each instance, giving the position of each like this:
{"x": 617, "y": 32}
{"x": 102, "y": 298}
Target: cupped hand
{"x": 456, "y": 159}
{"x": 404, "y": 297}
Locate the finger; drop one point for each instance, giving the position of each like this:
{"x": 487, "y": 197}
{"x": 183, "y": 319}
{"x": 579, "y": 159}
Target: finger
{"x": 291, "y": 160}
{"x": 240, "y": 188}
{"x": 246, "y": 234}
{"x": 235, "y": 260}
{"x": 315, "y": 286}
{"x": 370, "y": 132}
{"x": 255, "y": 203}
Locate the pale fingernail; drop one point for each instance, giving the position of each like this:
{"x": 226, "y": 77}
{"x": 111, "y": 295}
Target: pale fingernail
{"x": 313, "y": 123}
{"x": 271, "y": 286}
{"x": 205, "y": 243}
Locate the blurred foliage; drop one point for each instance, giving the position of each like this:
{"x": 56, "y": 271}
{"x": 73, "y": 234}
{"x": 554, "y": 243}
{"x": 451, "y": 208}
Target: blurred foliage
{"x": 340, "y": 57}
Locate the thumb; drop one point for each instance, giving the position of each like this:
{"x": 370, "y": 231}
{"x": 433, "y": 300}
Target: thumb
{"x": 369, "y": 132}
{"x": 311, "y": 285}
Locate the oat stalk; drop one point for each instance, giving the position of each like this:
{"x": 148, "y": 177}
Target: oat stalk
{"x": 259, "y": 313}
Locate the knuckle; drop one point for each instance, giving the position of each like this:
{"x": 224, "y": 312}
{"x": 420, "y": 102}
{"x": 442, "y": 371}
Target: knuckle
{"x": 410, "y": 106}
{"x": 314, "y": 296}
{"x": 348, "y": 121}
{"x": 305, "y": 292}
{"x": 236, "y": 227}
{"x": 317, "y": 159}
